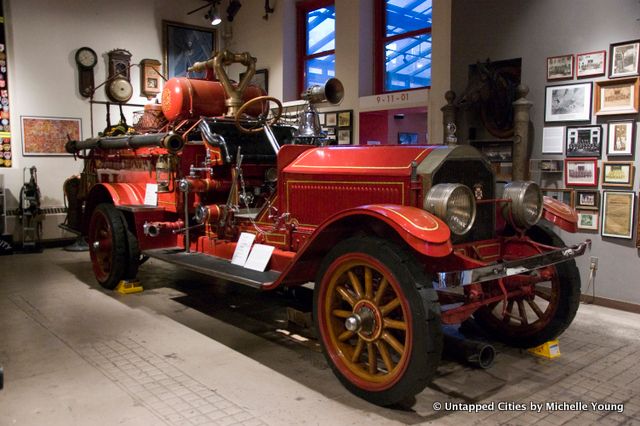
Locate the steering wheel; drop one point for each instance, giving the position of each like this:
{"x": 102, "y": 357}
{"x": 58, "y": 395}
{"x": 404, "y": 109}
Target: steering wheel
{"x": 263, "y": 119}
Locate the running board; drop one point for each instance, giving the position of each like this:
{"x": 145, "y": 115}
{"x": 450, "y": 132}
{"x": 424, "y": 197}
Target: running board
{"x": 213, "y": 266}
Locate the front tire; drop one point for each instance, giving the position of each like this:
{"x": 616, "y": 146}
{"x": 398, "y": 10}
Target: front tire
{"x": 531, "y": 320}
{"x": 113, "y": 248}
{"x": 394, "y": 342}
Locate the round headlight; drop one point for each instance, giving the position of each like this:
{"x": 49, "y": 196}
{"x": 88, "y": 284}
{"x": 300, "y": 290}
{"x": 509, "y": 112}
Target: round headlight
{"x": 454, "y": 203}
{"x": 525, "y": 208}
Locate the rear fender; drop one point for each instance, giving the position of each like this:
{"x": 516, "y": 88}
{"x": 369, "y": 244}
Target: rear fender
{"x": 560, "y": 214}
{"x": 419, "y": 229}
{"x": 118, "y": 194}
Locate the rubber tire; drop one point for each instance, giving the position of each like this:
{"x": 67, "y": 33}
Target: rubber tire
{"x": 124, "y": 247}
{"x": 569, "y": 300}
{"x": 423, "y": 302}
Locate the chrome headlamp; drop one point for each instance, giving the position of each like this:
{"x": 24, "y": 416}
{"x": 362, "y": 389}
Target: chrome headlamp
{"x": 454, "y": 203}
{"x": 525, "y": 208}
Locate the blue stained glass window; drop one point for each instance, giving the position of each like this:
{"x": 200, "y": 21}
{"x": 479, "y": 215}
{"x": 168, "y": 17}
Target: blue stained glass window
{"x": 321, "y": 30}
{"x": 407, "y": 44}
{"x": 319, "y": 70}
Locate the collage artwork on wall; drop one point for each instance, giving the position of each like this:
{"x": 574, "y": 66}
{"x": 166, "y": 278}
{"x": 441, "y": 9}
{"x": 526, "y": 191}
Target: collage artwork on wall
{"x": 600, "y": 154}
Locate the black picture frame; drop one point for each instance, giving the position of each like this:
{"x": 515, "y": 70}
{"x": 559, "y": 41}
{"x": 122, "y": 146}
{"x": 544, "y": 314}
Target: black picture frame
{"x": 620, "y": 53}
{"x": 260, "y": 79}
{"x": 184, "y": 45}
{"x": 568, "y": 102}
{"x": 583, "y": 141}
{"x": 587, "y": 199}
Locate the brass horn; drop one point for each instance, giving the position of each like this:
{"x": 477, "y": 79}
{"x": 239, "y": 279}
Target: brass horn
{"x": 332, "y": 91}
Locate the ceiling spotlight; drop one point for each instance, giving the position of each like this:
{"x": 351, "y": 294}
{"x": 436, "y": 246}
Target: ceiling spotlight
{"x": 213, "y": 15}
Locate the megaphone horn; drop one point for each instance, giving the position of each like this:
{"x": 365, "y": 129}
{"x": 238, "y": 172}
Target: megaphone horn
{"x": 332, "y": 91}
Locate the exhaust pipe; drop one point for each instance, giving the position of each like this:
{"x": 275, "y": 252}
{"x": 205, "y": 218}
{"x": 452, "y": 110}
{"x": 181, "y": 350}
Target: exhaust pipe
{"x": 153, "y": 229}
{"x": 472, "y": 352}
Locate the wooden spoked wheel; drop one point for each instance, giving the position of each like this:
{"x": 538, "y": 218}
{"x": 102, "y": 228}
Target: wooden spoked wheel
{"x": 547, "y": 302}
{"x": 380, "y": 333}
{"x": 266, "y": 117}
{"x": 367, "y": 322}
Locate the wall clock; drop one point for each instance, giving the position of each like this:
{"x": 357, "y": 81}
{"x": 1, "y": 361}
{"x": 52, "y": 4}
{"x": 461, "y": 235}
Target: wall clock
{"x": 119, "y": 88}
{"x": 149, "y": 78}
{"x": 86, "y": 60}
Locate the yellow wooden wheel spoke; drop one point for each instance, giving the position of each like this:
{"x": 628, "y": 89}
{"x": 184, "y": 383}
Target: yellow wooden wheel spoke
{"x": 386, "y": 309}
{"x": 373, "y": 361}
{"x": 346, "y": 295}
{"x": 543, "y": 294}
{"x": 368, "y": 283}
{"x": 393, "y": 342}
{"x": 358, "y": 350}
{"x": 355, "y": 283}
{"x": 381, "y": 289}
{"x": 345, "y": 335}
{"x": 522, "y": 312}
{"x": 384, "y": 353}
{"x": 535, "y": 308}
{"x": 340, "y": 313}
{"x": 398, "y": 325}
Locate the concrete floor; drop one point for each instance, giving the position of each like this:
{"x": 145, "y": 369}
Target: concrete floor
{"x": 188, "y": 352}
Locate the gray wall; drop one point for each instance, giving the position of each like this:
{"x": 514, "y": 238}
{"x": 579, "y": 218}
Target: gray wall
{"x": 534, "y": 30}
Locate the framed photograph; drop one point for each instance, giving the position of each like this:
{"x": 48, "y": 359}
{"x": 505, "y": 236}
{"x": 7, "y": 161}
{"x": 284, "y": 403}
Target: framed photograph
{"x": 591, "y": 64}
{"x": 620, "y": 141}
{"x": 588, "y": 221}
{"x": 588, "y": 200}
{"x": 331, "y": 130}
{"x": 331, "y": 119}
{"x": 569, "y": 102}
{"x": 260, "y": 79}
{"x": 560, "y": 67}
{"x": 616, "y": 96}
{"x": 566, "y": 195}
{"x": 344, "y": 119}
{"x": 407, "y": 138}
{"x": 617, "y": 214}
{"x": 581, "y": 172}
{"x": 185, "y": 45}
{"x": 624, "y": 58}
{"x": 344, "y": 137}
{"x": 584, "y": 141}
{"x": 617, "y": 173}
{"x": 46, "y": 136}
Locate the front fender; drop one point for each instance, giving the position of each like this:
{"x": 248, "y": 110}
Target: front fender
{"x": 560, "y": 214}
{"x": 422, "y": 231}
{"x": 123, "y": 193}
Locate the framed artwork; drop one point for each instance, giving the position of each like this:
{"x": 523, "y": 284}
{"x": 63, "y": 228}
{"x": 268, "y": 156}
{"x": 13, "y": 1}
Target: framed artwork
{"x": 620, "y": 141}
{"x": 616, "y": 96}
{"x": 584, "y": 141}
{"x": 624, "y": 58}
{"x": 588, "y": 221}
{"x": 588, "y": 200}
{"x": 331, "y": 119}
{"x": 581, "y": 172}
{"x": 569, "y": 102}
{"x": 185, "y": 45}
{"x": 617, "y": 214}
{"x": 46, "y": 136}
{"x": 566, "y": 195}
{"x": 344, "y": 137}
{"x": 560, "y": 67}
{"x": 405, "y": 138}
{"x": 617, "y": 173}
{"x": 260, "y": 79}
{"x": 591, "y": 64}
{"x": 344, "y": 119}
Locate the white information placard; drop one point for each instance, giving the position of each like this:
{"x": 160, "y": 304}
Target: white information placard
{"x": 553, "y": 140}
{"x": 243, "y": 248}
{"x": 151, "y": 195}
{"x": 259, "y": 257}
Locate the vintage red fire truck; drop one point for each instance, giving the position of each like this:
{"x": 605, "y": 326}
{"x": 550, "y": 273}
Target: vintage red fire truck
{"x": 399, "y": 240}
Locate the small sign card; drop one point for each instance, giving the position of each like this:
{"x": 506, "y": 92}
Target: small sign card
{"x": 243, "y": 248}
{"x": 259, "y": 257}
{"x": 151, "y": 195}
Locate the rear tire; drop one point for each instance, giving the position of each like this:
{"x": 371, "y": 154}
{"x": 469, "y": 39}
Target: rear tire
{"x": 113, "y": 248}
{"x": 563, "y": 293}
{"x": 396, "y": 352}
